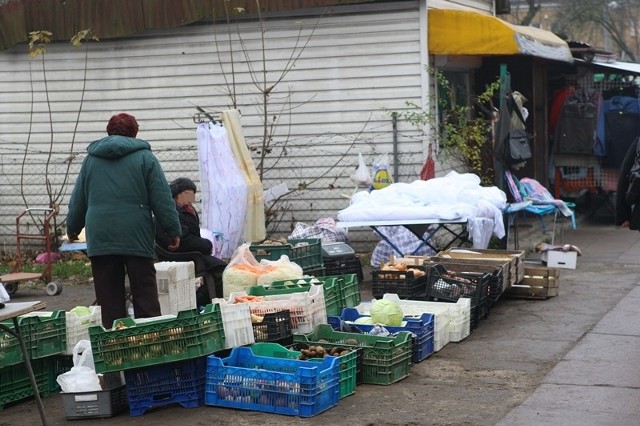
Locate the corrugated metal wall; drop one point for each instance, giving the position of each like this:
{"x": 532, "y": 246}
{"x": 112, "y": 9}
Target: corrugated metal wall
{"x": 331, "y": 105}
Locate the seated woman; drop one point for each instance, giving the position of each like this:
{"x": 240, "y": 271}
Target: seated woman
{"x": 183, "y": 191}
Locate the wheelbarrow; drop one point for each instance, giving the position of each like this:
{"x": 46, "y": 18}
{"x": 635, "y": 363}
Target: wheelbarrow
{"x": 17, "y": 275}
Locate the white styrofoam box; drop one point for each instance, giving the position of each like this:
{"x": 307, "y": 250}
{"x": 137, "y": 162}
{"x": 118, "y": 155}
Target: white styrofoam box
{"x": 236, "y": 318}
{"x": 78, "y": 327}
{"x": 176, "y": 286}
{"x": 560, "y": 259}
{"x": 173, "y": 271}
{"x": 307, "y": 309}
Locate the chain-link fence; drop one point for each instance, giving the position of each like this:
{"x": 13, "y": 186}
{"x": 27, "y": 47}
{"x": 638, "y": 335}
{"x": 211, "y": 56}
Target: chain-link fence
{"x": 317, "y": 177}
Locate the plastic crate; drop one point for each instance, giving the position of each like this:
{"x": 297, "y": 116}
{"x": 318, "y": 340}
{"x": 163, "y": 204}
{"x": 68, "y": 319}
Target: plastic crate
{"x": 15, "y": 384}
{"x": 236, "y": 320}
{"x": 385, "y": 360}
{"x": 332, "y": 294}
{"x": 273, "y": 385}
{"x": 306, "y": 252}
{"x": 95, "y": 405}
{"x": 176, "y": 286}
{"x": 78, "y": 327}
{"x": 402, "y": 283}
{"x": 274, "y": 327}
{"x": 10, "y": 351}
{"x": 156, "y": 341}
{"x": 58, "y": 364}
{"x": 421, "y": 328}
{"x": 340, "y": 265}
{"x": 315, "y": 271}
{"x": 307, "y": 309}
{"x": 179, "y": 382}
{"x": 347, "y": 362}
{"x": 349, "y": 291}
{"x": 45, "y": 333}
{"x": 451, "y": 319}
{"x": 446, "y": 285}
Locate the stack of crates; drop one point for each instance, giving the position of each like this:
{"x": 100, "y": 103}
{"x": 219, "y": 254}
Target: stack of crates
{"x": 163, "y": 358}
{"x": 340, "y": 259}
{"x": 176, "y": 286}
{"x": 306, "y": 252}
{"x": 44, "y": 335}
{"x": 307, "y": 309}
{"x": 421, "y": 327}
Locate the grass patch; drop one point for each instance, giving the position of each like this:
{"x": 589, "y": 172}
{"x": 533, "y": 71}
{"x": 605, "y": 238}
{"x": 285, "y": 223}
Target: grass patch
{"x": 63, "y": 270}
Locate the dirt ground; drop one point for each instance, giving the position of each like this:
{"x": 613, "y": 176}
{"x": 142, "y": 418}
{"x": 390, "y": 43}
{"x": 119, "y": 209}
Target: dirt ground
{"x": 474, "y": 382}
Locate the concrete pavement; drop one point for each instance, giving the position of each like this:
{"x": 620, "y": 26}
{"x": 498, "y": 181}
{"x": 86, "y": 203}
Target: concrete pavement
{"x": 597, "y": 381}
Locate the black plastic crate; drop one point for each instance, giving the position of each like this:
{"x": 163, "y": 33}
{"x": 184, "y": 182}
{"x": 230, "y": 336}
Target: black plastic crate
{"x": 403, "y": 283}
{"x": 341, "y": 265}
{"x": 496, "y": 284}
{"x": 449, "y": 286}
{"x": 274, "y": 327}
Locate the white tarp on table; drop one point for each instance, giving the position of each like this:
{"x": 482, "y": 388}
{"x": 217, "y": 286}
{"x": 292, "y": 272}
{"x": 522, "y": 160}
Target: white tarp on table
{"x": 452, "y": 197}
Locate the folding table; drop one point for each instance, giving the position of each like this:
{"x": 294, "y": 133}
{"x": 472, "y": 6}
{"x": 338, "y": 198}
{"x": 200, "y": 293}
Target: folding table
{"x": 423, "y": 229}
{"x": 11, "y": 311}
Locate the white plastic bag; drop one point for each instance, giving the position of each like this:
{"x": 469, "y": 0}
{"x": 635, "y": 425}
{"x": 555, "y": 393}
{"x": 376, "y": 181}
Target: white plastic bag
{"x": 79, "y": 379}
{"x": 82, "y": 354}
{"x": 362, "y": 176}
{"x": 82, "y": 377}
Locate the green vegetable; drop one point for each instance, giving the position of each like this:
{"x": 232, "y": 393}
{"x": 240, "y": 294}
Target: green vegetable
{"x": 81, "y": 311}
{"x": 364, "y": 320}
{"x": 386, "y": 312}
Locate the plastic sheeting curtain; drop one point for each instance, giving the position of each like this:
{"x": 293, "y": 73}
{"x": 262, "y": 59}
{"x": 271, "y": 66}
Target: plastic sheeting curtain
{"x": 255, "y": 221}
{"x": 224, "y": 189}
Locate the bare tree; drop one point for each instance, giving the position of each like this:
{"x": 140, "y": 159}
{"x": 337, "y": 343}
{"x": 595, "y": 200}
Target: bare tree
{"x": 614, "y": 20}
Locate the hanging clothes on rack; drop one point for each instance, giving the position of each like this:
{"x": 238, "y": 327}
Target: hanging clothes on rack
{"x": 618, "y": 126}
{"x": 576, "y": 125}
{"x": 224, "y": 189}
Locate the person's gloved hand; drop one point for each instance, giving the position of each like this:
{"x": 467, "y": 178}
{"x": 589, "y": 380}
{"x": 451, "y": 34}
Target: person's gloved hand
{"x": 72, "y": 236}
{"x": 174, "y": 243}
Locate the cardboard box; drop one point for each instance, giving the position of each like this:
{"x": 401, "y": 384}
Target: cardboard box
{"x": 560, "y": 259}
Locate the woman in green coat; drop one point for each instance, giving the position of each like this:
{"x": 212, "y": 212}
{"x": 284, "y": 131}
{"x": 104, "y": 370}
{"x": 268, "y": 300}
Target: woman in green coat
{"x": 121, "y": 186}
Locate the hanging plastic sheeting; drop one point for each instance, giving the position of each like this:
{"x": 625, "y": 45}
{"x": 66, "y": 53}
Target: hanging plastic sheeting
{"x": 255, "y": 221}
{"x": 224, "y": 190}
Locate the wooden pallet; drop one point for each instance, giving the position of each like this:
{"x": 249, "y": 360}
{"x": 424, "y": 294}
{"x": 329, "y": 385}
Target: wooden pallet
{"x": 539, "y": 282}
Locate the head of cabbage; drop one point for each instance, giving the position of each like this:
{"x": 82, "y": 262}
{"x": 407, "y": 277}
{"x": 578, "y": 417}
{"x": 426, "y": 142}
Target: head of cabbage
{"x": 386, "y": 312}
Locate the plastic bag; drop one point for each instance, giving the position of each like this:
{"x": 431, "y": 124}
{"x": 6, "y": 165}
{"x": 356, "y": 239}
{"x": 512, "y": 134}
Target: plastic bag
{"x": 381, "y": 175}
{"x": 279, "y": 270}
{"x": 324, "y": 228}
{"x": 82, "y": 354}
{"x": 362, "y": 176}
{"x": 82, "y": 377}
{"x": 241, "y": 272}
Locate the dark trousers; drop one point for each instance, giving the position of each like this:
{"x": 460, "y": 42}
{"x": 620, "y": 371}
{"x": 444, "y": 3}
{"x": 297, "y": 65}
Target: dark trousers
{"x": 108, "y": 281}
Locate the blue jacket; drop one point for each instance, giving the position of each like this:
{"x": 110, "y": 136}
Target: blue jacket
{"x": 120, "y": 187}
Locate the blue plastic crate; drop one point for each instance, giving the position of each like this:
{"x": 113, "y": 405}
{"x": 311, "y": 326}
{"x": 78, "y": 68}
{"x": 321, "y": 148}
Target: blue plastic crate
{"x": 272, "y": 385}
{"x": 422, "y": 328}
{"x": 179, "y": 382}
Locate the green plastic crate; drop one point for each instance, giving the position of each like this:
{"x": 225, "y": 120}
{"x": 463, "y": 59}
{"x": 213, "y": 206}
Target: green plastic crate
{"x": 308, "y": 254}
{"x": 349, "y": 291}
{"x": 15, "y": 384}
{"x": 385, "y": 360}
{"x": 10, "y": 352}
{"x": 150, "y": 342}
{"x": 44, "y": 333}
{"x": 330, "y": 287}
{"x": 347, "y": 363}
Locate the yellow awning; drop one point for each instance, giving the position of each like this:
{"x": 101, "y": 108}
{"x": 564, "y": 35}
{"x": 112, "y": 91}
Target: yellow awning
{"x": 462, "y": 32}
